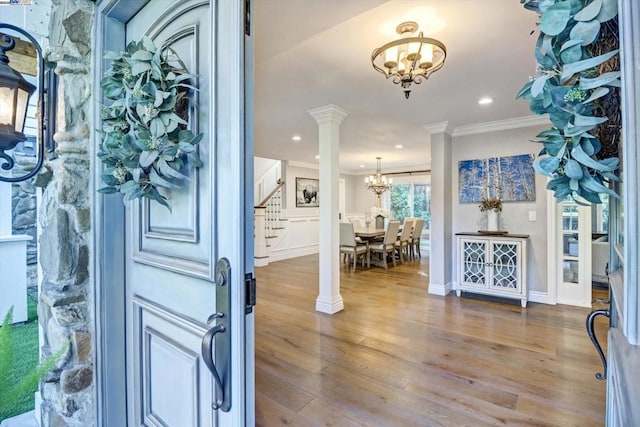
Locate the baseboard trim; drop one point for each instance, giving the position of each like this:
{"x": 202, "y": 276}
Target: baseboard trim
{"x": 261, "y": 261}
{"x": 541, "y": 297}
{"x": 440, "y": 289}
{"x": 287, "y": 254}
{"x": 573, "y": 303}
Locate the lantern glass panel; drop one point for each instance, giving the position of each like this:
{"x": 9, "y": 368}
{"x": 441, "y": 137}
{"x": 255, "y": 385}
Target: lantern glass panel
{"x": 21, "y": 109}
{"x": 6, "y": 105}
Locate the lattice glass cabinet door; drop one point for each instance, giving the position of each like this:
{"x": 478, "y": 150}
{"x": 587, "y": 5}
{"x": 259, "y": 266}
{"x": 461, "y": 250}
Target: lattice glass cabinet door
{"x": 505, "y": 258}
{"x": 474, "y": 264}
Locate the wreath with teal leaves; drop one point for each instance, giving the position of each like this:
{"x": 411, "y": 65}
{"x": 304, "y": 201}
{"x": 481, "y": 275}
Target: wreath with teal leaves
{"x": 574, "y": 82}
{"x": 146, "y": 147}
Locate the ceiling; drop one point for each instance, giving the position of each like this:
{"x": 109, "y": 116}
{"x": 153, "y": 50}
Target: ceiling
{"x": 311, "y": 53}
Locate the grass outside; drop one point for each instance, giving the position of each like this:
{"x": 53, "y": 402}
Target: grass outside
{"x": 25, "y": 358}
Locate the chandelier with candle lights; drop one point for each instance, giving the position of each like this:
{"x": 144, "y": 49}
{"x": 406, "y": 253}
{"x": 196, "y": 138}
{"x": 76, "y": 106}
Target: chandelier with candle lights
{"x": 410, "y": 59}
{"x": 378, "y": 183}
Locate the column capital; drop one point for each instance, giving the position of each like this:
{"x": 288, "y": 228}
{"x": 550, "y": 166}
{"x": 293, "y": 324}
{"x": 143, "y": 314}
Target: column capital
{"x": 328, "y": 113}
{"x": 436, "y": 128}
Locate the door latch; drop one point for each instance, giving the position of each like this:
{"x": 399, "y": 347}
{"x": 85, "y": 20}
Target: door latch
{"x": 250, "y": 292}
{"x": 218, "y": 359}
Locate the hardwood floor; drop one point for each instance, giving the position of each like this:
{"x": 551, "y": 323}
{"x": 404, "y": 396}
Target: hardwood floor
{"x": 397, "y": 356}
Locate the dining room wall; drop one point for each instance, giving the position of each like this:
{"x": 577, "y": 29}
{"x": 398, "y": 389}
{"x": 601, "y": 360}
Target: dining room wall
{"x": 515, "y": 215}
{"x": 359, "y": 199}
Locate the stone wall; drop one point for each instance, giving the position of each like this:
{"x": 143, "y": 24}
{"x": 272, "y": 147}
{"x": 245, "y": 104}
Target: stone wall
{"x": 65, "y": 302}
{"x": 24, "y": 215}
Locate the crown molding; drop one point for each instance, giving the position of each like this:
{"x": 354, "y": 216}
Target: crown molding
{"x": 515, "y": 123}
{"x": 302, "y": 164}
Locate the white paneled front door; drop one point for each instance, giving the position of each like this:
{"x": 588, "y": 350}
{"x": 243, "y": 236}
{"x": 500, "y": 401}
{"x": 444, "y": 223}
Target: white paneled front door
{"x": 188, "y": 340}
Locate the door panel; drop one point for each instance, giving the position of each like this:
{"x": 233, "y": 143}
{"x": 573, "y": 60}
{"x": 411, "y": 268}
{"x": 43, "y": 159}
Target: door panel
{"x": 170, "y": 254}
{"x": 167, "y": 345}
{"x": 159, "y": 272}
{"x": 174, "y": 239}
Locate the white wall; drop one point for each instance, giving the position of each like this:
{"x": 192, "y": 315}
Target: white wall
{"x": 266, "y": 173}
{"x": 290, "y": 174}
{"x": 514, "y": 216}
{"x": 359, "y": 199}
{"x": 261, "y": 165}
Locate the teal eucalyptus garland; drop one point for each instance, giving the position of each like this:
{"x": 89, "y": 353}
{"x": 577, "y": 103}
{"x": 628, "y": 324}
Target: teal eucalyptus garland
{"x": 145, "y": 145}
{"x": 568, "y": 86}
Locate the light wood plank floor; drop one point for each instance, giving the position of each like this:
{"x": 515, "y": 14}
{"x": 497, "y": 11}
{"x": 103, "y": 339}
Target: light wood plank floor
{"x": 397, "y": 356}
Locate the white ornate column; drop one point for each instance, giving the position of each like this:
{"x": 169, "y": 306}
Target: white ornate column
{"x": 329, "y": 118}
{"x": 441, "y": 240}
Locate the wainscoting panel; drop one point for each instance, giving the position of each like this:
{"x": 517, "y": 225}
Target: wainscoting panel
{"x": 299, "y": 237}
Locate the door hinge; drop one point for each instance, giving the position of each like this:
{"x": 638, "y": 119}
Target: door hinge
{"x": 250, "y": 292}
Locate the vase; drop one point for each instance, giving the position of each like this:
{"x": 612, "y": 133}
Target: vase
{"x": 492, "y": 220}
{"x": 379, "y": 221}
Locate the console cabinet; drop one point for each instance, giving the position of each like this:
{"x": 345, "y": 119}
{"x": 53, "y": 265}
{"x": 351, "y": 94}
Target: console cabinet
{"x": 493, "y": 265}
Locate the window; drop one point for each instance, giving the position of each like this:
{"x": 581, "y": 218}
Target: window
{"x": 411, "y": 200}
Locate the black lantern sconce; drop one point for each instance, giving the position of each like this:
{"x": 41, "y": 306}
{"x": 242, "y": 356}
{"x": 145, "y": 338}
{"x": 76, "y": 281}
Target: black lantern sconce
{"x": 15, "y": 92}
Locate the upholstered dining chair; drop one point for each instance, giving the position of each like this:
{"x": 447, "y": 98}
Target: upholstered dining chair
{"x": 402, "y": 244}
{"x": 414, "y": 243}
{"x": 387, "y": 246}
{"x": 350, "y": 247}
{"x": 358, "y": 223}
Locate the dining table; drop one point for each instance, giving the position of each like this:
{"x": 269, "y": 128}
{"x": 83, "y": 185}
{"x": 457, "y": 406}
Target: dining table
{"x": 368, "y": 233}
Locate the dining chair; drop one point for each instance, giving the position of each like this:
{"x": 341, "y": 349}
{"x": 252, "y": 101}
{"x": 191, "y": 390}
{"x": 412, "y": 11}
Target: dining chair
{"x": 402, "y": 243}
{"x": 414, "y": 243}
{"x": 350, "y": 247}
{"x": 387, "y": 246}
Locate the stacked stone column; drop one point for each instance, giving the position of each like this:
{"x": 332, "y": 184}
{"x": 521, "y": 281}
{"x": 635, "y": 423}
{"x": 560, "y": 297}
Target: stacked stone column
{"x": 65, "y": 303}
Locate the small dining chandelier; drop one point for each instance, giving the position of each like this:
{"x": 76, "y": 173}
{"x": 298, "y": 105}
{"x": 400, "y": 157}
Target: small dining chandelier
{"x": 378, "y": 183}
{"x": 411, "y": 58}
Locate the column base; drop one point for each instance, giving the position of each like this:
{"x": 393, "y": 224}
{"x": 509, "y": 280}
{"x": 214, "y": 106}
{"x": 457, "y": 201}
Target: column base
{"x": 329, "y": 306}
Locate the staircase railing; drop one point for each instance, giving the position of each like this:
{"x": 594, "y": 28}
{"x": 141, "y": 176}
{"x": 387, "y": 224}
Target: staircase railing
{"x": 267, "y": 219}
{"x": 273, "y": 210}
{"x": 279, "y": 185}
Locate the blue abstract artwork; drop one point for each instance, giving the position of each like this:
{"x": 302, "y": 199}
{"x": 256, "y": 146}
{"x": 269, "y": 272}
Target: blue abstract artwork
{"x": 511, "y": 179}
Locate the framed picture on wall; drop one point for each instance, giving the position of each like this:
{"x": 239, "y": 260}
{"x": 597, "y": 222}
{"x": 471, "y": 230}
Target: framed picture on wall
{"x": 307, "y": 193}
{"x": 511, "y": 179}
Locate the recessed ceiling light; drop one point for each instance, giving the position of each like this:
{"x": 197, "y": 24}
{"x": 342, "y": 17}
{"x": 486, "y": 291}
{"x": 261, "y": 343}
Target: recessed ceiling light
{"x": 484, "y": 101}
{"x": 317, "y": 156}
{"x": 296, "y": 138}
{"x": 399, "y": 146}
{"x": 362, "y": 166}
